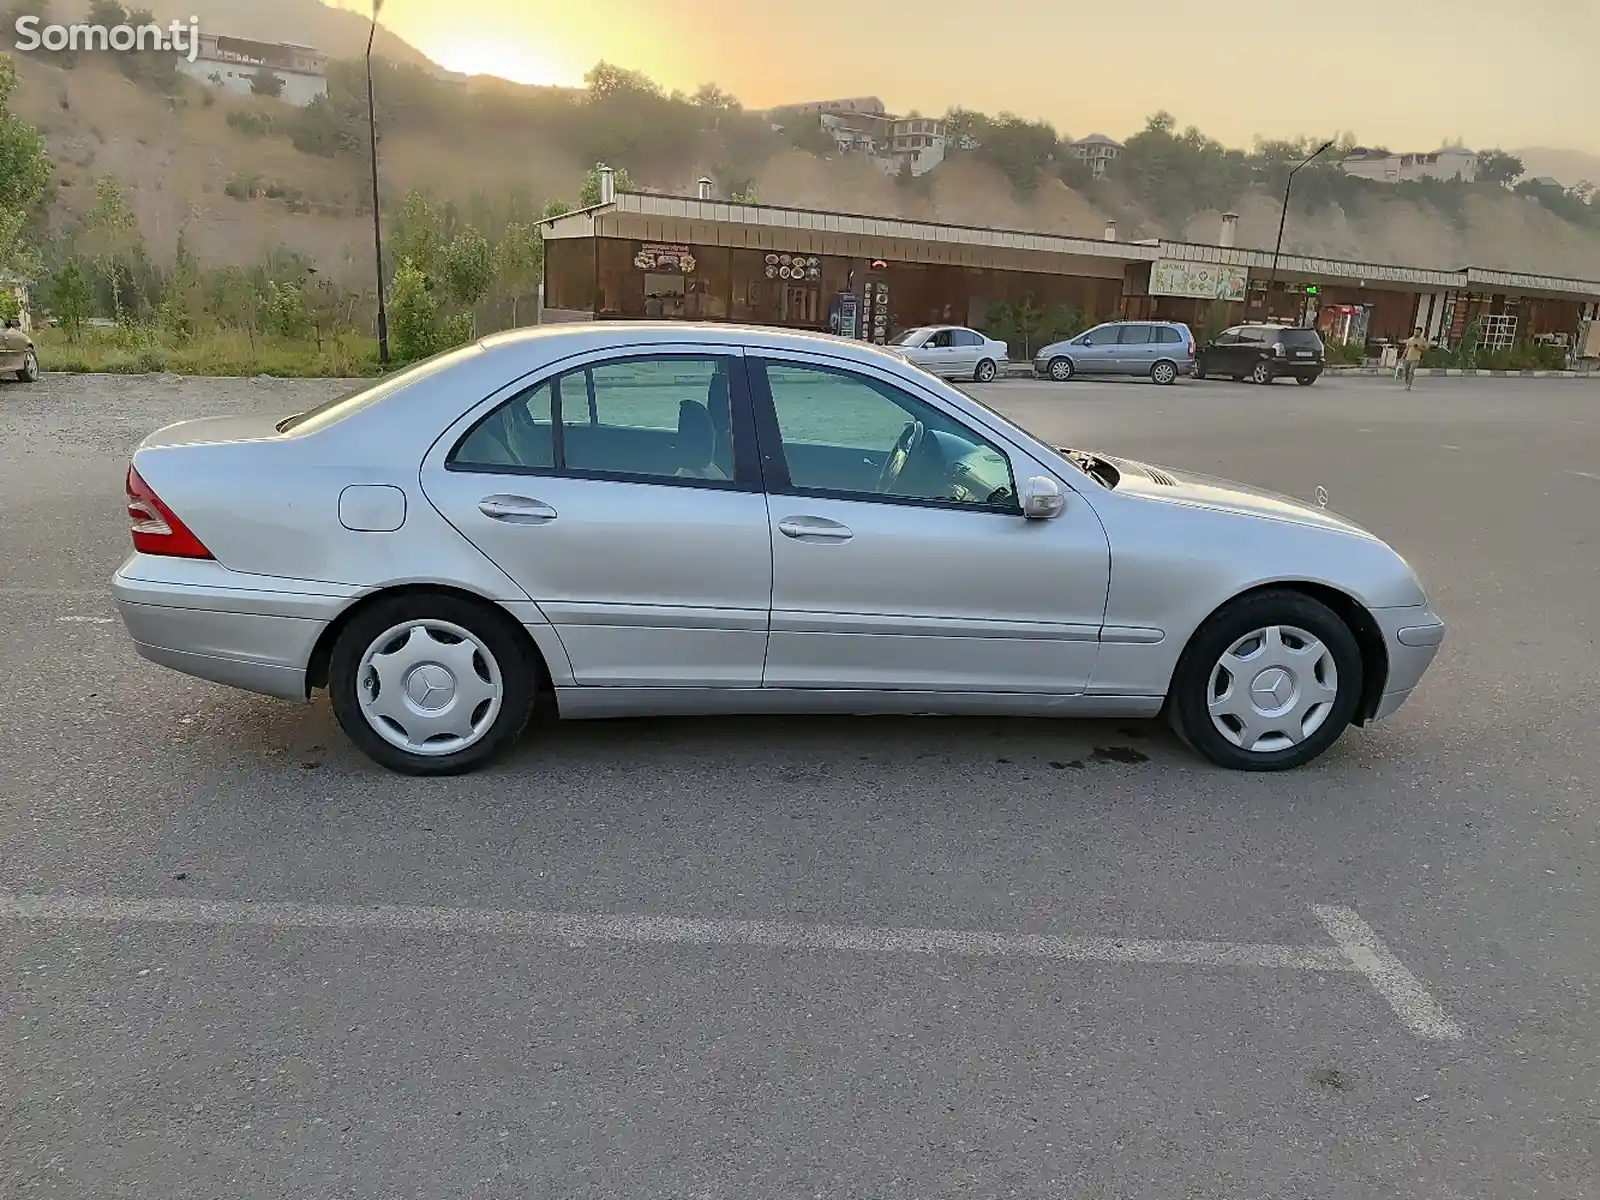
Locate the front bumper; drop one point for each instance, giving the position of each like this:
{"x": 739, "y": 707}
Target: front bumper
{"x": 244, "y": 631}
{"x": 1412, "y": 637}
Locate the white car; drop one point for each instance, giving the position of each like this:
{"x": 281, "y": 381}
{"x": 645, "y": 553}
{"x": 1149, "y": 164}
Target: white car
{"x": 953, "y": 352}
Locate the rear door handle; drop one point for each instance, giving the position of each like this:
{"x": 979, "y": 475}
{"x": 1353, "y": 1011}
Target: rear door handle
{"x": 814, "y": 529}
{"x": 516, "y": 510}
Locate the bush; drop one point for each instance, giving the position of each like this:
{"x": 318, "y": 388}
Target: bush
{"x": 253, "y": 123}
{"x": 1346, "y": 354}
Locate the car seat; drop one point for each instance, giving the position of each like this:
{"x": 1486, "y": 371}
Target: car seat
{"x": 697, "y": 441}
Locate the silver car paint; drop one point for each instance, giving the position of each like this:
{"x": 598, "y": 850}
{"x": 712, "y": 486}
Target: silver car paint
{"x": 1083, "y": 614}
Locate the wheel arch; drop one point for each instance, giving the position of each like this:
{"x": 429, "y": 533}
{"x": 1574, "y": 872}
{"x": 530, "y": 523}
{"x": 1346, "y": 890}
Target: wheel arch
{"x": 322, "y": 652}
{"x": 1363, "y": 627}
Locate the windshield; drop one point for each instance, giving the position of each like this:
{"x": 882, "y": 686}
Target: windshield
{"x": 906, "y": 338}
{"x": 342, "y": 406}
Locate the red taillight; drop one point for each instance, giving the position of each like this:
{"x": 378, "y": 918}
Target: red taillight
{"x": 1191, "y": 347}
{"x": 156, "y": 528}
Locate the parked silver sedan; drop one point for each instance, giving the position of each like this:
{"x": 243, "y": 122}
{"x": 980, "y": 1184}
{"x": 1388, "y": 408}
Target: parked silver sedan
{"x": 953, "y": 352}
{"x": 670, "y": 518}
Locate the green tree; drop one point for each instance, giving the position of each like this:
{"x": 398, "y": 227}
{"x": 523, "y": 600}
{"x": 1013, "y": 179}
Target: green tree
{"x": 518, "y": 262}
{"x": 236, "y": 302}
{"x": 266, "y": 82}
{"x": 112, "y": 237}
{"x": 182, "y": 311}
{"x": 24, "y": 172}
{"x": 1496, "y": 166}
{"x": 10, "y": 306}
{"x": 286, "y": 311}
{"x": 467, "y": 270}
{"x": 418, "y": 232}
{"x": 413, "y": 313}
{"x": 589, "y": 194}
{"x": 70, "y": 298}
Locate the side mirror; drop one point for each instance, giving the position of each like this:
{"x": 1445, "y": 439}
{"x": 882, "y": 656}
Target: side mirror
{"x": 1042, "y": 498}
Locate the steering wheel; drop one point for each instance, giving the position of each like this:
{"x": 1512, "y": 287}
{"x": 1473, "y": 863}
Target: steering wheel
{"x": 904, "y": 446}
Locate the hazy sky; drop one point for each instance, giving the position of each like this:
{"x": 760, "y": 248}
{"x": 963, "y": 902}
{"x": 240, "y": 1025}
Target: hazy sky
{"x": 1406, "y": 73}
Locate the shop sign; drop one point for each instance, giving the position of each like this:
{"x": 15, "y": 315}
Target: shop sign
{"x": 664, "y": 258}
{"x": 1199, "y": 281}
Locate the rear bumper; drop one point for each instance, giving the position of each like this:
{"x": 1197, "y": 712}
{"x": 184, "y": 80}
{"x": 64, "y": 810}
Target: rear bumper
{"x": 1412, "y": 637}
{"x": 1296, "y": 370}
{"x": 242, "y": 631}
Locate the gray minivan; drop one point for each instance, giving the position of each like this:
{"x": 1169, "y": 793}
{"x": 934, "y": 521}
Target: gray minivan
{"x": 1157, "y": 350}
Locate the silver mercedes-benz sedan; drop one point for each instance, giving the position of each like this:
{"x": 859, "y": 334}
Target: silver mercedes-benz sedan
{"x": 671, "y": 518}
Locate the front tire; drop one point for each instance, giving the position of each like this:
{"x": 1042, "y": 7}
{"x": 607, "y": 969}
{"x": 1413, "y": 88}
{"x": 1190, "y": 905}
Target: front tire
{"x": 1164, "y": 373}
{"x": 1199, "y": 369}
{"x": 985, "y": 372}
{"x": 1268, "y": 683}
{"x": 1061, "y": 369}
{"x": 431, "y": 684}
{"x": 29, "y": 372}
{"x": 1261, "y": 373}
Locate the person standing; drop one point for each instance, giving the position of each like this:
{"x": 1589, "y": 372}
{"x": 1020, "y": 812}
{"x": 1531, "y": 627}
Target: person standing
{"x": 1415, "y": 347}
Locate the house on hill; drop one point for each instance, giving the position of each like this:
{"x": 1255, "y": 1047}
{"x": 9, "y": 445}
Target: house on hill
{"x": 235, "y": 64}
{"x": 1445, "y": 163}
{"x": 1097, "y": 150}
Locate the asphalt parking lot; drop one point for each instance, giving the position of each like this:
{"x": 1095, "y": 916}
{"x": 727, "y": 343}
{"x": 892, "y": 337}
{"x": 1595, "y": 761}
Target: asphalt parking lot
{"x": 823, "y": 958}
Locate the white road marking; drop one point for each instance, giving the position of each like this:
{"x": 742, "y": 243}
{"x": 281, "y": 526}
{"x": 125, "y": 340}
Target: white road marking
{"x": 1358, "y": 950}
{"x": 1584, "y": 474}
{"x": 1387, "y": 974}
{"x": 76, "y": 620}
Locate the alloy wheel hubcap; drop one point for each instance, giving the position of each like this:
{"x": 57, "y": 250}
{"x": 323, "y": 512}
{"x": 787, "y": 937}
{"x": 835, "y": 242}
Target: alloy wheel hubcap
{"x": 1272, "y": 689}
{"x": 1164, "y": 373}
{"x": 429, "y": 687}
{"x": 1061, "y": 370}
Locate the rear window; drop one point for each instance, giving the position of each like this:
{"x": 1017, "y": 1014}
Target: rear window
{"x": 333, "y": 411}
{"x": 1300, "y": 339}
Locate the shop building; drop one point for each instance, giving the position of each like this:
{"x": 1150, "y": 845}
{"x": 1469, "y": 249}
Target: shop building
{"x": 635, "y": 256}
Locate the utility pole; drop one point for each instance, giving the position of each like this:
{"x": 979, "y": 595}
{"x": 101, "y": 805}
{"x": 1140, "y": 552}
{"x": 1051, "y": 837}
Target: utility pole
{"x": 1272, "y": 276}
{"x": 377, "y": 226}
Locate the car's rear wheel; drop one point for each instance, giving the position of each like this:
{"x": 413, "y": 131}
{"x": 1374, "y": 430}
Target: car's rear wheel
{"x": 431, "y": 684}
{"x": 985, "y": 372}
{"x": 1163, "y": 373}
{"x": 1269, "y": 682}
{"x": 1061, "y": 369}
{"x": 1261, "y": 373}
{"x": 1306, "y": 380}
{"x": 29, "y": 371}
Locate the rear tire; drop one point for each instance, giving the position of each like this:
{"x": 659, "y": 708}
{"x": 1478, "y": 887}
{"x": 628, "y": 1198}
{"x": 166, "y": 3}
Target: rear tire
{"x": 1235, "y": 690}
{"x": 1061, "y": 369}
{"x": 444, "y": 645}
{"x": 1261, "y": 373}
{"x": 1164, "y": 373}
{"x": 985, "y": 373}
{"x": 1306, "y": 380}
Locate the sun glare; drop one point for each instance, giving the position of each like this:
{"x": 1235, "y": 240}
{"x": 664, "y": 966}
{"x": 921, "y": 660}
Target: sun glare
{"x": 509, "y": 60}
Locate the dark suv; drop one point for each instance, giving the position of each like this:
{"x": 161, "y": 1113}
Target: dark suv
{"x": 1262, "y": 353}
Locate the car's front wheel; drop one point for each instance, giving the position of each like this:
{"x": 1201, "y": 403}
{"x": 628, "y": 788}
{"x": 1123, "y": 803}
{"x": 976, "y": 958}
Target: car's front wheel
{"x": 1269, "y": 682}
{"x": 985, "y": 372}
{"x": 29, "y": 370}
{"x": 1261, "y": 373}
{"x": 1199, "y": 368}
{"x": 1061, "y": 369}
{"x": 431, "y": 684}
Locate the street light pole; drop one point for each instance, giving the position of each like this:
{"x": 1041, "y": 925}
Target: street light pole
{"x": 377, "y": 227}
{"x": 1272, "y": 276}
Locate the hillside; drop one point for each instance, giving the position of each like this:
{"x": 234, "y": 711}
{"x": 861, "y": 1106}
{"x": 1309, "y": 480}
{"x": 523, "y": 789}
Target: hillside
{"x": 338, "y": 32}
{"x": 182, "y": 166}
{"x": 1571, "y": 167}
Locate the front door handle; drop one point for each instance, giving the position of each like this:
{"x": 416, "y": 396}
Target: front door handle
{"x": 814, "y": 529}
{"x": 516, "y": 510}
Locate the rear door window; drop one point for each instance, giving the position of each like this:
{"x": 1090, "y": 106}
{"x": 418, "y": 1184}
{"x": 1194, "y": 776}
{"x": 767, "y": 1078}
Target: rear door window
{"x": 1135, "y": 335}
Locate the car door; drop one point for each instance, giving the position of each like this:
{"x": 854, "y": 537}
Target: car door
{"x": 941, "y": 353}
{"x": 623, "y": 495}
{"x": 916, "y": 571}
{"x": 1135, "y": 354}
{"x": 1220, "y": 355}
{"x": 966, "y": 347}
{"x": 1095, "y": 352}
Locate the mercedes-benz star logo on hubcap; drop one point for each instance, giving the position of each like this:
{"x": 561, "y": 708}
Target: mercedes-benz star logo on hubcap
{"x": 430, "y": 686}
{"x": 1272, "y": 688}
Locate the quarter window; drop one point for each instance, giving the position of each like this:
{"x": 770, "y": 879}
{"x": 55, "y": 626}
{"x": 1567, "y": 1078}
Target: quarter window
{"x": 850, "y": 436}
{"x": 665, "y": 417}
{"x": 1168, "y": 336}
